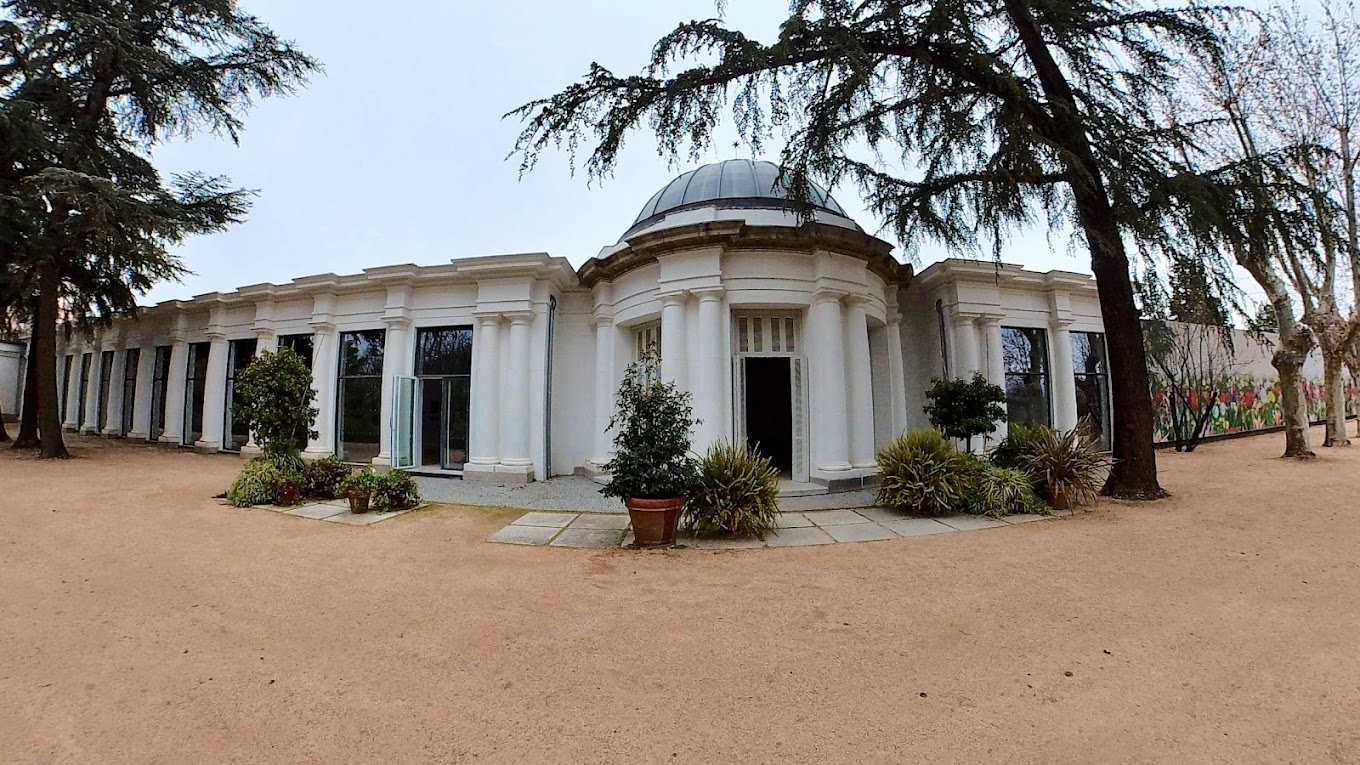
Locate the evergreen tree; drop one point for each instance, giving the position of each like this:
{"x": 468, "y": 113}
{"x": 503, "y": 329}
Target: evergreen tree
{"x": 1013, "y": 110}
{"x": 86, "y": 87}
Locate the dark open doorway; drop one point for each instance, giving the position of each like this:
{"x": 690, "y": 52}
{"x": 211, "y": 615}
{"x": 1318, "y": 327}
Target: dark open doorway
{"x": 769, "y": 410}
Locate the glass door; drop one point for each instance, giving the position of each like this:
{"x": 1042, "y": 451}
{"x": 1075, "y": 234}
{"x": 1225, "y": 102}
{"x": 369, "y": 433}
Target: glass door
{"x": 403, "y": 422}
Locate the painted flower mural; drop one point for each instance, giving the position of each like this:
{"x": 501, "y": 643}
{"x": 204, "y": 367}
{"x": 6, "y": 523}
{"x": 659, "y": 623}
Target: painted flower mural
{"x": 1247, "y": 404}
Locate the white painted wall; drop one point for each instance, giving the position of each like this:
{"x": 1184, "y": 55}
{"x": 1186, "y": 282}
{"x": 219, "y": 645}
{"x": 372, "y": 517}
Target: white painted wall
{"x": 11, "y": 377}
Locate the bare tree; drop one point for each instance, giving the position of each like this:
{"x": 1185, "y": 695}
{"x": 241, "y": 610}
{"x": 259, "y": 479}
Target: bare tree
{"x": 1195, "y": 364}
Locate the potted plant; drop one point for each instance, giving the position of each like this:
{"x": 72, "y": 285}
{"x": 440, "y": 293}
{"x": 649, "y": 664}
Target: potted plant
{"x": 1067, "y": 467}
{"x": 653, "y": 470}
{"x": 359, "y": 487}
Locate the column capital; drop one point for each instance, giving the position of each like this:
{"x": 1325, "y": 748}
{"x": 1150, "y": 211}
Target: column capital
{"x": 322, "y": 327}
{"x": 520, "y": 318}
{"x": 215, "y": 334}
{"x": 828, "y": 296}
{"x": 963, "y": 320}
{"x": 486, "y": 318}
{"x": 677, "y": 297}
{"x": 598, "y": 320}
{"x": 264, "y": 332}
{"x": 990, "y": 322}
{"x": 705, "y": 294}
{"x": 397, "y": 322}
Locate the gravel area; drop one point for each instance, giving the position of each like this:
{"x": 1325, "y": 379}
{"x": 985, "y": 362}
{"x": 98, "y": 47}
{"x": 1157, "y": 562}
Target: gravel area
{"x": 142, "y": 622}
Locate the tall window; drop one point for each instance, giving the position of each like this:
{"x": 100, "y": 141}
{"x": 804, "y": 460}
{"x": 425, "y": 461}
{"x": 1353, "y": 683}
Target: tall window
{"x": 359, "y": 416}
{"x": 66, "y": 387}
{"x": 160, "y": 386}
{"x": 234, "y": 431}
{"x": 1091, "y": 367}
{"x": 645, "y": 337}
{"x": 105, "y": 384}
{"x": 195, "y": 381}
{"x": 299, "y": 344}
{"x": 132, "y": 357}
{"x": 1025, "y": 352}
{"x": 444, "y": 366}
{"x": 84, "y": 388}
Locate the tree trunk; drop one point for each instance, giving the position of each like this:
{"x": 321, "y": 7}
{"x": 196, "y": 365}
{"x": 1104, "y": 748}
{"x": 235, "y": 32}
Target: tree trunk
{"x": 1295, "y": 406}
{"x": 45, "y": 359}
{"x": 1335, "y": 379}
{"x": 1134, "y": 475}
{"x": 28, "y": 416}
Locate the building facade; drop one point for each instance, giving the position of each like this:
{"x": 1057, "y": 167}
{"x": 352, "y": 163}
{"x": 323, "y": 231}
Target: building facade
{"x": 803, "y": 336}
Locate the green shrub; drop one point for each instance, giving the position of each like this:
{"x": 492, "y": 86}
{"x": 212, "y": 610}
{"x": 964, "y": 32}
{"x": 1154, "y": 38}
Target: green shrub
{"x": 1066, "y": 467}
{"x": 1010, "y": 451}
{"x": 258, "y": 483}
{"x": 274, "y": 397}
{"x": 395, "y": 490}
{"x": 652, "y": 423}
{"x": 921, "y": 473}
{"x": 1001, "y": 491}
{"x": 361, "y": 481}
{"x": 324, "y": 478}
{"x": 734, "y": 494}
{"x": 964, "y": 409}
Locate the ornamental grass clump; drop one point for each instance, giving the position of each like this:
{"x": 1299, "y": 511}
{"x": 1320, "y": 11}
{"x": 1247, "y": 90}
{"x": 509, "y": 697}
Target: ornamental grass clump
{"x": 1001, "y": 491}
{"x": 921, "y": 473}
{"x": 258, "y": 483}
{"x": 734, "y": 494}
{"x": 1067, "y": 467}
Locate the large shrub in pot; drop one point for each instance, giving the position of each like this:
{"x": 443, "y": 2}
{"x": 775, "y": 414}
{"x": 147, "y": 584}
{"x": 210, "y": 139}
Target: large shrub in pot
{"x": 653, "y": 424}
{"x": 735, "y": 494}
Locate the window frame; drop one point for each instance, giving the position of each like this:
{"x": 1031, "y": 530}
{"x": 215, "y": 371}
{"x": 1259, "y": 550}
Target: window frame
{"x": 1044, "y": 375}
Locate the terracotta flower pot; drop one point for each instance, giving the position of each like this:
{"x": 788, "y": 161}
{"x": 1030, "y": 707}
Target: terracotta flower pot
{"x": 654, "y": 520}
{"x": 1056, "y": 499}
{"x": 358, "y": 502}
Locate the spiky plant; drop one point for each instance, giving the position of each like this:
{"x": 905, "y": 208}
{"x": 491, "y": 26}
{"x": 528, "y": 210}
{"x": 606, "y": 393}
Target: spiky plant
{"x": 921, "y": 473}
{"x": 1002, "y": 491}
{"x": 1066, "y": 464}
{"x": 735, "y": 494}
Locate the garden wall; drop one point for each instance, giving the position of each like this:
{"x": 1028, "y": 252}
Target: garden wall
{"x": 1250, "y": 400}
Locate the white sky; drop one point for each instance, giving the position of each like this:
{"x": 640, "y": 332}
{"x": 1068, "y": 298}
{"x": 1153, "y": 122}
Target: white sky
{"x": 397, "y": 154}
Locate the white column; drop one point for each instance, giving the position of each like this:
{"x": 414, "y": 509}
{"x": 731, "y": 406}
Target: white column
{"x": 89, "y": 418}
{"x": 605, "y": 341}
{"x": 174, "y": 393}
{"x": 72, "y": 420}
{"x": 966, "y": 358}
{"x": 214, "y": 395}
{"x": 826, "y": 357}
{"x": 515, "y": 406}
{"x": 486, "y": 392}
{"x": 141, "y": 400}
{"x": 113, "y": 413}
{"x": 897, "y": 376}
{"x": 325, "y": 372}
{"x": 1064, "y": 380}
{"x": 860, "y": 395}
{"x": 673, "y": 335}
{"x": 708, "y": 382}
{"x": 395, "y": 351}
{"x": 996, "y": 368}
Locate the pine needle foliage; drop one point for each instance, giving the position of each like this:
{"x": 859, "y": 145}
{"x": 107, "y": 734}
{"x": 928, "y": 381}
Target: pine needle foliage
{"x": 735, "y": 494}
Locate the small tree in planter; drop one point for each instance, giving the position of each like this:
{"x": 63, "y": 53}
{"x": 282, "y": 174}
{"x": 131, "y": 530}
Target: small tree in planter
{"x": 275, "y": 398}
{"x": 964, "y": 409}
{"x": 653, "y": 471}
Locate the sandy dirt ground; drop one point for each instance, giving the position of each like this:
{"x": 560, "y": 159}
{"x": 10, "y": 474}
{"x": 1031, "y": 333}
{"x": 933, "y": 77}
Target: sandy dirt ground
{"x": 142, "y": 622}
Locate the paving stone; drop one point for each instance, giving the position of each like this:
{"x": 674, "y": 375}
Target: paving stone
{"x": 363, "y": 519}
{"x": 825, "y": 518}
{"x": 549, "y": 520}
{"x": 971, "y": 522}
{"x": 798, "y": 537}
{"x": 1023, "y": 518}
{"x": 917, "y": 527}
{"x": 524, "y": 535}
{"x": 313, "y": 511}
{"x": 859, "y": 532}
{"x": 791, "y": 521}
{"x": 574, "y": 537}
{"x": 725, "y": 544}
{"x": 881, "y": 514}
{"x": 599, "y": 521}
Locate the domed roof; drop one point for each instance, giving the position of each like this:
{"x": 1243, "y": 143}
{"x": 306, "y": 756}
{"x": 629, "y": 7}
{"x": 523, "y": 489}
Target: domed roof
{"x": 734, "y": 183}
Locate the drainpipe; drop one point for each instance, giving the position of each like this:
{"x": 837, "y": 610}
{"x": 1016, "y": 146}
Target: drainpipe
{"x": 547, "y": 387}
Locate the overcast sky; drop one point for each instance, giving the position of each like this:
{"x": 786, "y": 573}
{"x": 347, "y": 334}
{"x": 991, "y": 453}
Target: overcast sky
{"x": 397, "y": 153}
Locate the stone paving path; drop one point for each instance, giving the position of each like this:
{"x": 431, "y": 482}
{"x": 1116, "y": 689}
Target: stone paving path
{"x": 794, "y": 529}
{"x": 335, "y": 511}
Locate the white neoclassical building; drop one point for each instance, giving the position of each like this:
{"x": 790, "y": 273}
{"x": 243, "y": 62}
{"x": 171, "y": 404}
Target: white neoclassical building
{"x": 805, "y": 338}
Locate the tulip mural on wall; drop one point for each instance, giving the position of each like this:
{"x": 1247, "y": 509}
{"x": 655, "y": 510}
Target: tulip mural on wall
{"x": 1244, "y": 405}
